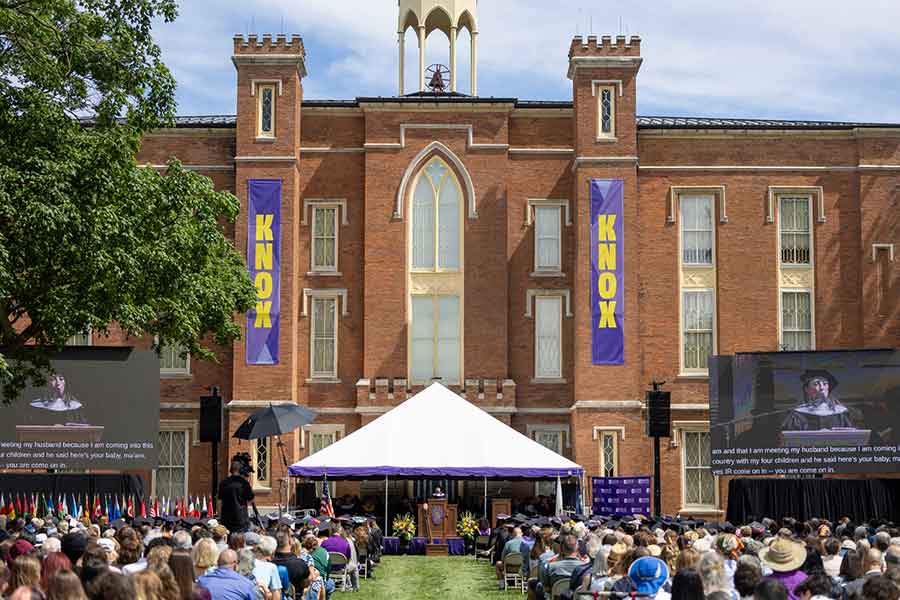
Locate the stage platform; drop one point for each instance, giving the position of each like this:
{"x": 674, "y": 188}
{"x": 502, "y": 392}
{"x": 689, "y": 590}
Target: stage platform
{"x": 418, "y": 545}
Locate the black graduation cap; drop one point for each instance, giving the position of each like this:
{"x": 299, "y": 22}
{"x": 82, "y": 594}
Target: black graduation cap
{"x": 579, "y": 518}
{"x": 190, "y": 521}
{"x": 727, "y": 527}
{"x": 502, "y": 517}
{"x": 139, "y": 522}
{"x": 556, "y": 521}
{"x": 118, "y": 524}
{"x": 593, "y": 524}
{"x": 614, "y": 524}
{"x": 544, "y": 522}
{"x": 359, "y": 520}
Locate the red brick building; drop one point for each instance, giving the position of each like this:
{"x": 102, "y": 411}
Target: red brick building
{"x": 446, "y": 235}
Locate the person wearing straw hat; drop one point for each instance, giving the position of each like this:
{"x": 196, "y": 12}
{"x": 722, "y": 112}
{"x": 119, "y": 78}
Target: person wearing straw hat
{"x": 785, "y": 557}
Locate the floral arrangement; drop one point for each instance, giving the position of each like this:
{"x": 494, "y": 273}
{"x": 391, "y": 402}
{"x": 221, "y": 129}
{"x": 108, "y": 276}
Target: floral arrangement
{"x": 404, "y": 527}
{"x": 570, "y": 523}
{"x": 467, "y": 526}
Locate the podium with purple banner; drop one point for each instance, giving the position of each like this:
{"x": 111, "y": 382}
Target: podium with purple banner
{"x": 619, "y": 496}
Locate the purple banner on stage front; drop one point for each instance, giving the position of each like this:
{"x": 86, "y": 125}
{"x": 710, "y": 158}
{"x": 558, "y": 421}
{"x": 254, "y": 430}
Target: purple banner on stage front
{"x": 264, "y": 262}
{"x": 607, "y": 272}
{"x": 618, "y": 496}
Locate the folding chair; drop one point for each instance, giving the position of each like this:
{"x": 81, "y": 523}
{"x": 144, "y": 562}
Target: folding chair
{"x": 512, "y": 571}
{"x": 362, "y": 557}
{"x": 483, "y": 548}
{"x": 338, "y": 573}
{"x": 559, "y": 586}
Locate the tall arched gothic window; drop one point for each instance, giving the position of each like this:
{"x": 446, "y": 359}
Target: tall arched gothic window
{"x": 436, "y": 216}
{"x": 436, "y": 278}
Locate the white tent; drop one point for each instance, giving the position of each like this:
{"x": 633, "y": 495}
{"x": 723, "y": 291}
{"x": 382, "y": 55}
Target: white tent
{"x": 437, "y": 434}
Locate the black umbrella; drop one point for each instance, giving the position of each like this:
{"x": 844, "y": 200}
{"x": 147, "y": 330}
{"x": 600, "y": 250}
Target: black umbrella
{"x": 273, "y": 420}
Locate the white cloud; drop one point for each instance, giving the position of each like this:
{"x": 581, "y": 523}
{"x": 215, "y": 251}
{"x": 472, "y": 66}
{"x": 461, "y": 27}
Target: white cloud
{"x": 770, "y": 58}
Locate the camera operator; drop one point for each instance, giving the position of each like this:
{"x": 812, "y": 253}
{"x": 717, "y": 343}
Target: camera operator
{"x": 235, "y": 492}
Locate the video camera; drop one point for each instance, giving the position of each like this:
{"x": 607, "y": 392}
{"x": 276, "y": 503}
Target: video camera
{"x": 243, "y": 458}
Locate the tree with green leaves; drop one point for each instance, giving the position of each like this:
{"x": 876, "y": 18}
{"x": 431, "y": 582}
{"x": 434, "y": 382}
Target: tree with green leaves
{"x": 88, "y": 238}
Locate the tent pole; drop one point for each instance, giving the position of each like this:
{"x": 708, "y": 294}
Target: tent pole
{"x": 485, "y": 499}
{"x": 385, "y": 506}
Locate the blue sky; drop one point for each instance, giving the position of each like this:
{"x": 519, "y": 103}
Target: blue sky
{"x": 794, "y": 59}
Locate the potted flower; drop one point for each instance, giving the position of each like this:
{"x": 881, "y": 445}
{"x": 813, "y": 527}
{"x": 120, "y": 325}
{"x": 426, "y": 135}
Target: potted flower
{"x": 405, "y": 530}
{"x": 467, "y": 529}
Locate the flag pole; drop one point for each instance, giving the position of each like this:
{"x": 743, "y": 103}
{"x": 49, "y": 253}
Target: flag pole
{"x": 385, "y": 505}
{"x": 485, "y": 499}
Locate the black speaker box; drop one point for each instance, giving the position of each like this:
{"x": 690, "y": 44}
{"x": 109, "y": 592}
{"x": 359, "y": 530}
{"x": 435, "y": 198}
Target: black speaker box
{"x": 211, "y": 418}
{"x": 659, "y": 414}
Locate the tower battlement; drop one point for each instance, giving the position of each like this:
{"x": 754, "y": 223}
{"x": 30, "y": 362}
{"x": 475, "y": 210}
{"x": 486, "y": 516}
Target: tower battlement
{"x": 605, "y": 46}
{"x": 280, "y": 44}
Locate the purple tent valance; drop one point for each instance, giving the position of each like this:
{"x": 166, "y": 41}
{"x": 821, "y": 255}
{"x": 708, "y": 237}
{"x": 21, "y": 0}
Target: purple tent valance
{"x": 434, "y": 472}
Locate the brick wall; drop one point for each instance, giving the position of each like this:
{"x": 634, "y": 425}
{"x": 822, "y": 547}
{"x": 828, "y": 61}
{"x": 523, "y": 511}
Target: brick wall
{"x": 854, "y": 306}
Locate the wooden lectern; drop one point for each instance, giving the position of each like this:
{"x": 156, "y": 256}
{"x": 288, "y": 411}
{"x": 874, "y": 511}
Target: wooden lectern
{"x": 437, "y": 520}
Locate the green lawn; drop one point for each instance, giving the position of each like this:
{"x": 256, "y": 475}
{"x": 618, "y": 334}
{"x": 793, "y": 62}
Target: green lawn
{"x": 425, "y": 578}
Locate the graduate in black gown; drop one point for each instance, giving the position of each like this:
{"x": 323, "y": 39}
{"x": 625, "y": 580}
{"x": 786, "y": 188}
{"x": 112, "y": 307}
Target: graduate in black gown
{"x": 820, "y": 409}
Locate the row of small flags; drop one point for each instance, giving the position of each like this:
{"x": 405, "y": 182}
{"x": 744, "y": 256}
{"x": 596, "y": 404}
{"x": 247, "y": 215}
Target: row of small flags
{"x": 112, "y": 506}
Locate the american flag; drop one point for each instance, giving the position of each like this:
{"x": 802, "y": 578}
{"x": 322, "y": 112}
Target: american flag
{"x": 325, "y": 508}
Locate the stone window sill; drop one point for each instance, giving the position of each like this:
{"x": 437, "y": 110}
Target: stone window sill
{"x": 324, "y": 274}
{"x": 319, "y": 380}
{"x": 549, "y": 380}
{"x": 548, "y": 274}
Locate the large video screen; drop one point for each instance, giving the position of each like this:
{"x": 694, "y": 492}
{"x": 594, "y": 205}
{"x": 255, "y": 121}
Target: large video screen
{"x": 793, "y": 413}
{"x": 99, "y": 409}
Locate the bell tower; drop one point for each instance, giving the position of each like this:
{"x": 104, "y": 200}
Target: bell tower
{"x": 449, "y": 16}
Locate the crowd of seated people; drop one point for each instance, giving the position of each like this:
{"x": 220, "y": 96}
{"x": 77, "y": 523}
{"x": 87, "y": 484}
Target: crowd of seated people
{"x": 181, "y": 559}
{"x": 678, "y": 559}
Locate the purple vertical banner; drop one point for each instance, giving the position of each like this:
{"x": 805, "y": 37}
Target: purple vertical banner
{"x": 618, "y": 496}
{"x": 607, "y": 272}
{"x": 264, "y": 262}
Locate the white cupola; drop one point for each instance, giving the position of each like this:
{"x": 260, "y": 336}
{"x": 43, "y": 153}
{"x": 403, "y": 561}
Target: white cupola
{"x": 449, "y": 16}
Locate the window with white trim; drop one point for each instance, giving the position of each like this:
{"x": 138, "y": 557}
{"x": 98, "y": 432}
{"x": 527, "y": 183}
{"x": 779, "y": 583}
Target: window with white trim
{"x": 548, "y": 337}
{"x": 699, "y": 484}
{"x": 552, "y": 439}
{"x": 609, "y": 454}
{"x": 265, "y": 125}
{"x": 325, "y": 238}
{"x": 174, "y": 361}
{"x": 795, "y": 229}
{"x": 319, "y": 440}
{"x": 697, "y": 323}
{"x": 697, "y": 230}
{"x": 796, "y": 320}
{"x": 262, "y": 452}
{"x": 323, "y": 337}
{"x": 435, "y": 339}
{"x": 547, "y": 239}
{"x": 80, "y": 339}
{"x": 436, "y": 219}
{"x": 170, "y": 477}
{"x": 606, "y": 109}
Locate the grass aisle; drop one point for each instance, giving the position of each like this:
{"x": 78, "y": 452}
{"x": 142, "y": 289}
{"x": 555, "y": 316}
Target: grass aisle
{"x": 427, "y": 578}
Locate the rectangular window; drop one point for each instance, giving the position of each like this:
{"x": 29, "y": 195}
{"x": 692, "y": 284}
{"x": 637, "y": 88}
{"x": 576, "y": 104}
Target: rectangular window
{"x": 699, "y": 483}
{"x": 547, "y": 239}
{"x": 435, "y": 339}
{"x": 554, "y": 441}
{"x": 607, "y": 101}
{"x": 266, "y": 111}
{"x": 80, "y": 339}
{"x": 323, "y": 338}
{"x": 697, "y": 322}
{"x": 170, "y": 477}
{"x": 697, "y": 230}
{"x": 319, "y": 440}
{"x": 171, "y": 361}
{"x": 609, "y": 454}
{"x": 325, "y": 238}
{"x": 796, "y": 321}
{"x": 548, "y": 337}
{"x": 794, "y": 226}
{"x": 261, "y": 467}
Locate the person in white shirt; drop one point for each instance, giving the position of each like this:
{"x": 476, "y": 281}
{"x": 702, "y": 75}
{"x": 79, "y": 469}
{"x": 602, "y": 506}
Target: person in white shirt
{"x": 833, "y": 558}
{"x": 266, "y": 573}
